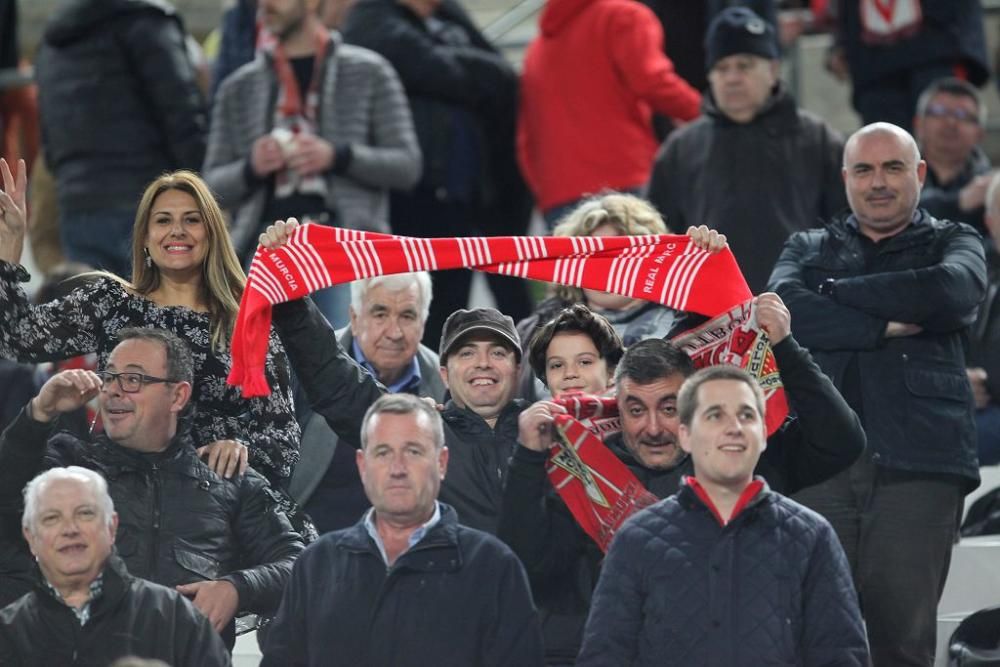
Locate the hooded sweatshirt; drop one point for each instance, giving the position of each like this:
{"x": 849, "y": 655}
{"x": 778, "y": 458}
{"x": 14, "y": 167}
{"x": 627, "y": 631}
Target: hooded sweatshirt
{"x": 591, "y": 83}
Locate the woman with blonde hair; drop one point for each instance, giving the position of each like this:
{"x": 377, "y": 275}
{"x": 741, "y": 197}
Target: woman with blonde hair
{"x": 613, "y": 214}
{"x": 187, "y": 279}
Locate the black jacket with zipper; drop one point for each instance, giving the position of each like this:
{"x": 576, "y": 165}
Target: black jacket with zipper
{"x": 911, "y": 392}
{"x": 179, "y": 522}
{"x": 131, "y": 617}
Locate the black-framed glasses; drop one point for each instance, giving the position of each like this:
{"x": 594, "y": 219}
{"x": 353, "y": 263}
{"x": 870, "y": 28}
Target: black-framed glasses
{"x": 938, "y": 110}
{"x": 130, "y": 382}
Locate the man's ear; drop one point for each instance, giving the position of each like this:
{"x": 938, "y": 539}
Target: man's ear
{"x": 684, "y": 438}
{"x": 443, "y": 462}
{"x": 180, "y": 397}
{"x": 443, "y": 370}
{"x": 354, "y": 321}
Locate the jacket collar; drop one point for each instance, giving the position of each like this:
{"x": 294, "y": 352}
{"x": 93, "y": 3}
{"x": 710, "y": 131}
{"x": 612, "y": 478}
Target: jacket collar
{"x": 779, "y": 111}
{"x": 438, "y": 551}
{"x": 115, "y": 583}
{"x": 693, "y": 496}
{"x": 455, "y": 415}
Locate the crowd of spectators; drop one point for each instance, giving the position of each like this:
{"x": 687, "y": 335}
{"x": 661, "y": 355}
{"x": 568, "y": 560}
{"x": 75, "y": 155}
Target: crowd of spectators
{"x": 420, "y": 484}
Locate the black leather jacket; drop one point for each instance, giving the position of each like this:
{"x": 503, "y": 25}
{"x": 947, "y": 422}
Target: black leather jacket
{"x": 911, "y": 392}
{"x": 131, "y": 617}
{"x": 179, "y": 522}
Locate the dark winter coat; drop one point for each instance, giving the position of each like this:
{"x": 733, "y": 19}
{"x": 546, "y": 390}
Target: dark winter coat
{"x": 563, "y": 563}
{"x": 457, "y": 598}
{"x": 132, "y": 617}
{"x": 461, "y": 95}
{"x": 952, "y": 32}
{"x": 911, "y": 392}
{"x": 118, "y": 99}
{"x": 179, "y": 522}
{"x": 755, "y": 182}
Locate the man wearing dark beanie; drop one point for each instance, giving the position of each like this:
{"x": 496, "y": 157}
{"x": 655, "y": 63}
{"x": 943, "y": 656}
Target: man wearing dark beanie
{"x": 753, "y": 166}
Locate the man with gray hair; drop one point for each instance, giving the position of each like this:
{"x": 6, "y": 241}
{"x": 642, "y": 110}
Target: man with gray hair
{"x": 725, "y": 572}
{"x": 388, "y": 314}
{"x": 883, "y": 299}
{"x": 413, "y": 586}
{"x": 86, "y": 608}
{"x": 222, "y": 542}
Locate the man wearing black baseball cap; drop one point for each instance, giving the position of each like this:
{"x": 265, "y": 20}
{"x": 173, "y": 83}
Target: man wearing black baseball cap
{"x": 480, "y": 362}
{"x": 753, "y": 166}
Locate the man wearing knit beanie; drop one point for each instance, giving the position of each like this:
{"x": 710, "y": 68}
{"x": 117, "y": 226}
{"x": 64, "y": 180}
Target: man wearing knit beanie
{"x": 753, "y": 166}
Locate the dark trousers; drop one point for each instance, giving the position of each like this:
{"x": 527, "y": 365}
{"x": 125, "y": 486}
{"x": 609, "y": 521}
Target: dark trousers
{"x": 422, "y": 214}
{"x": 897, "y": 529}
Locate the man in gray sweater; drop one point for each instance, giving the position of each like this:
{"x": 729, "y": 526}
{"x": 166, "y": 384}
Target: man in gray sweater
{"x": 313, "y": 129}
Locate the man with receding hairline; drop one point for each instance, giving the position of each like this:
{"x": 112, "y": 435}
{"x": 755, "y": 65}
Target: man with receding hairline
{"x": 407, "y": 585}
{"x": 86, "y": 608}
{"x": 882, "y": 298}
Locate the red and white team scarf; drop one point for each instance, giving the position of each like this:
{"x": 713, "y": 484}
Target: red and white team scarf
{"x": 599, "y": 490}
{"x": 664, "y": 269}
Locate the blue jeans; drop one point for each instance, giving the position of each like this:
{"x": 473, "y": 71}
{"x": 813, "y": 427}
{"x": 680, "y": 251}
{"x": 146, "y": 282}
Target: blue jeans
{"x": 99, "y": 239}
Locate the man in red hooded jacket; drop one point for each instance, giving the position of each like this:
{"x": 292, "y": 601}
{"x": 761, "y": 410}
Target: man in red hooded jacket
{"x": 591, "y": 82}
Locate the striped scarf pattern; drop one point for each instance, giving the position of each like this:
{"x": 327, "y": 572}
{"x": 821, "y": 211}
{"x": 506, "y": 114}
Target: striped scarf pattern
{"x": 664, "y": 269}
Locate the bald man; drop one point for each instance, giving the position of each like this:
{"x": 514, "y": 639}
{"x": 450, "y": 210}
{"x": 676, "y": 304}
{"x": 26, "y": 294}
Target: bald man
{"x": 882, "y": 298}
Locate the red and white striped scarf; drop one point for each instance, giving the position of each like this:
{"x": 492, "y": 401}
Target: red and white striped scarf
{"x": 599, "y": 490}
{"x": 661, "y": 268}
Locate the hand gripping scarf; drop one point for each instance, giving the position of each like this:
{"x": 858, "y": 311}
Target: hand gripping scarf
{"x": 599, "y": 490}
{"x": 661, "y": 268}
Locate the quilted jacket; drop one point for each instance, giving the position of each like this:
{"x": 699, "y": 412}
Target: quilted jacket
{"x": 771, "y": 587}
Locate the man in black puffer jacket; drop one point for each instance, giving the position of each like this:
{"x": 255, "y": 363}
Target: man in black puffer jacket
{"x": 726, "y": 572}
{"x": 119, "y": 105}
{"x": 222, "y": 542}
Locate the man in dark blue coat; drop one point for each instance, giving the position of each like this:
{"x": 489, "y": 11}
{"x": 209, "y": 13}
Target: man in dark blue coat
{"x": 726, "y": 572}
{"x": 407, "y": 585}
{"x": 883, "y": 299}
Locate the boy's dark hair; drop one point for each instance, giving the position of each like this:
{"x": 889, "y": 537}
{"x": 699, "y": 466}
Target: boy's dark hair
{"x": 576, "y": 319}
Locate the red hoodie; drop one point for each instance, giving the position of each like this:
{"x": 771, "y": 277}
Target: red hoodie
{"x": 591, "y": 82}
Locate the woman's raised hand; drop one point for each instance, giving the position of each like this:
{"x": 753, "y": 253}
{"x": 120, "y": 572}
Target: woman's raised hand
{"x": 13, "y": 211}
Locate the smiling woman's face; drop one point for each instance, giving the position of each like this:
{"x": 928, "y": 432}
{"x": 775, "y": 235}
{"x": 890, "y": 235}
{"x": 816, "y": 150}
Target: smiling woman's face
{"x": 176, "y": 236}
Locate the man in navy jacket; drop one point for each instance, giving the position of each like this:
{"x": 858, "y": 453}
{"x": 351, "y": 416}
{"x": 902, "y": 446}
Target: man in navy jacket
{"x": 726, "y": 572}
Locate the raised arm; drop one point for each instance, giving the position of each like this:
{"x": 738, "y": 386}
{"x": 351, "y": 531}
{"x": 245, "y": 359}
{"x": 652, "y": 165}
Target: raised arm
{"x": 13, "y": 212}
{"x": 533, "y": 521}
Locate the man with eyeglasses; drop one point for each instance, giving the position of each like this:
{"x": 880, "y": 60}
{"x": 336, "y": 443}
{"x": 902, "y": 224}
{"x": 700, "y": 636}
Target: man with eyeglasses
{"x": 949, "y": 125}
{"x": 222, "y": 542}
